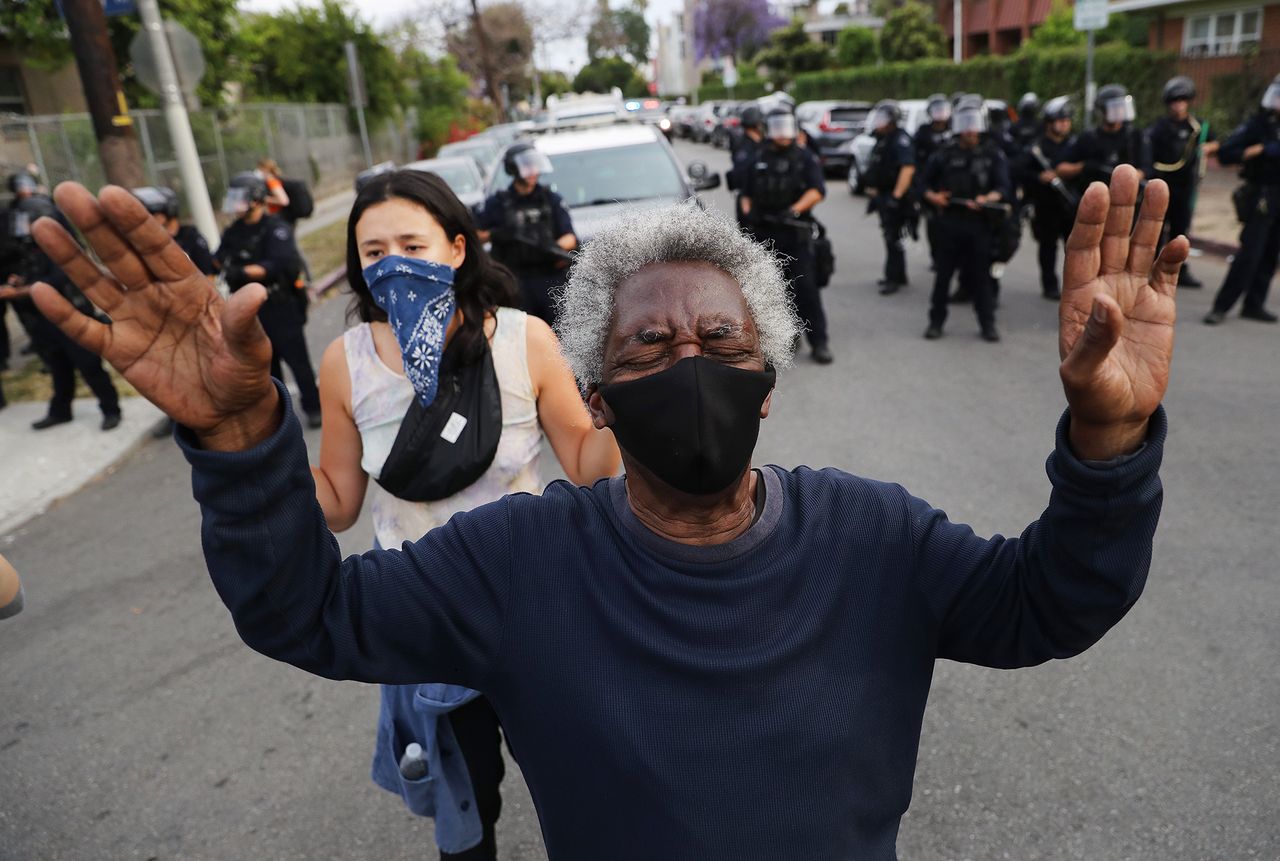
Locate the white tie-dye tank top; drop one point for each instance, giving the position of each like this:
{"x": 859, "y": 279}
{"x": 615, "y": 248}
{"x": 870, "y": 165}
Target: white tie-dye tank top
{"x": 380, "y": 398}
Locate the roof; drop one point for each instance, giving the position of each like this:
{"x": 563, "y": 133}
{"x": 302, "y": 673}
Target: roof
{"x": 621, "y": 134}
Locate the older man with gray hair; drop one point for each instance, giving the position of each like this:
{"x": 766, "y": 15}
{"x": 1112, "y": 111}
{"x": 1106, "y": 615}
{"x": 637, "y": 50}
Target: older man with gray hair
{"x": 701, "y": 659}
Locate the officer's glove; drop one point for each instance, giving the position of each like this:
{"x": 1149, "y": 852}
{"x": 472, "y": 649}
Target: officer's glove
{"x": 235, "y": 276}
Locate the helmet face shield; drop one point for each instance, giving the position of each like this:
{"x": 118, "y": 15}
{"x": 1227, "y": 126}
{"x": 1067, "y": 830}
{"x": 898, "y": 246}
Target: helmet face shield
{"x": 969, "y": 120}
{"x": 1118, "y": 110}
{"x": 880, "y": 119}
{"x": 236, "y": 201}
{"x": 1271, "y": 98}
{"x": 531, "y": 163}
{"x": 781, "y": 126}
{"x": 24, "y": 183}
{"x": 940, "y": 112}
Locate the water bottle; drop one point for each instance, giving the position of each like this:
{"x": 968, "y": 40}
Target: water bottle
{"x": 413, "y": 765}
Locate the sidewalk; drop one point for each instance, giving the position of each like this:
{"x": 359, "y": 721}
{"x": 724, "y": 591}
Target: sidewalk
{"x": 39, "y": 468}
{"x": 1214, "y": 227}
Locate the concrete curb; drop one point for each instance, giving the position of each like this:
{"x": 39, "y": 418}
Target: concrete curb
{"x": 1214, "y": 246}
{"x": 327, "y": 282}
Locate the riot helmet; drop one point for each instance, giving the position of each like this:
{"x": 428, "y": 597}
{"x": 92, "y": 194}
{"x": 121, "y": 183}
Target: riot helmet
{"x": 525, "y": 161}
{"x": 957, "y": 96}
{"x": 243, "y": 191}
{"x": 159, "y": 200}
{"x": 1028, "y": 106}
{"x": 1114, "y": 104}
{"x": 885, "y": 113}
{"x": 970, "y": 116}
{"x": 751, "y": 117}
{"x": 1271, "y": 98}
{"x": 1058, "y": 108}
{"x": 1180, "y": 88}
{"x": 23, "y": 183}
{"x": 938, "y": 108}
{"x": 29, "y": 209}
{"x": 780, "y": 124}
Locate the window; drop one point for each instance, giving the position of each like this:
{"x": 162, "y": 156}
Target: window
{"x": 12, "y": 99}
{"x": 1218, "y": 33}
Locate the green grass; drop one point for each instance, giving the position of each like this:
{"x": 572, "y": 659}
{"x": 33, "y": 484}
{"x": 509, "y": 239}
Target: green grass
{"x": 27, "y": 383}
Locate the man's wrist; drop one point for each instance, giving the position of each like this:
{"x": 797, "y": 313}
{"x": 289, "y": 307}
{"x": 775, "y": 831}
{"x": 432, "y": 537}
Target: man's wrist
{"x": 1106, "y": 442}
{"x": 246, "y": 429}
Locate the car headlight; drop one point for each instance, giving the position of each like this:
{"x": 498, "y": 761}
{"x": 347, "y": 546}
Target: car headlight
{"x": 664, "y": 124}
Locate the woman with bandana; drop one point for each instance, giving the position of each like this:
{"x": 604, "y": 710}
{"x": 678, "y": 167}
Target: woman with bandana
{"x": 426, "y": 292}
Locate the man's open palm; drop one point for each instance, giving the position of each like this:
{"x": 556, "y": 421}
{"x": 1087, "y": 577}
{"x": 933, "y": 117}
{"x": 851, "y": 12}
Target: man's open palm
{"x": 1115, "y": 333}
{"x": 203, "y": 361}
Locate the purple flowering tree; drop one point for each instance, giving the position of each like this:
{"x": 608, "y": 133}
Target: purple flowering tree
{"x": 732, "y": 28}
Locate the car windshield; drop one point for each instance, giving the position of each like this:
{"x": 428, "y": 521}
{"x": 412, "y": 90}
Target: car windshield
{"x": 851, "y": 117}
{"x": 456, "y": 176}
{"x": 481, "y": 151}
{"x": 611, "y": 174}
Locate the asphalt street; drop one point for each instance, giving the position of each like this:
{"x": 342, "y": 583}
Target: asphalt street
{"x": 134, "y": 723}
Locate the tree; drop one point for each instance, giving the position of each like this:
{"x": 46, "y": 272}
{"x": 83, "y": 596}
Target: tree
{"x": 790, "y": 51}
{"x": 1058, "y": 30}
{"x": 298, "y": 55}
{"x": 554, "y": 83}
{"x": 855, "y": 46}
{"x": 618, "y": 33}
{"x": 910, "y": 33}
{"x": 732, "y": 28}
{"x": 603, "y": 74}
{"x": 510, "y": 38}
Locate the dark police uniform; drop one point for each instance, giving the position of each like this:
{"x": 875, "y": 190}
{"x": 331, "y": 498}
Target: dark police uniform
{"x": 893, "y": 151}
{"x": 192, "y": 241}
{"x": 1255, "y": 263}
{"x": 1101, "y": 151}
{"x": 928, "y": 140}
{"x": 269, "y": 244}
{"x": 63, "y": 356}
{"x": 745, "y": 153}
{"x": 1053, "y": 216}
{"x": 779, "y": 178}
{"x": 521, "y": 226}
{"x": 966, "y": 237}
{"x": 1175, "y": 158}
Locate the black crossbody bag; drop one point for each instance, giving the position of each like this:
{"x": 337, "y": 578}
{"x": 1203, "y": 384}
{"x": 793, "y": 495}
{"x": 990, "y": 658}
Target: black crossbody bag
{"x": 445, "y": 447}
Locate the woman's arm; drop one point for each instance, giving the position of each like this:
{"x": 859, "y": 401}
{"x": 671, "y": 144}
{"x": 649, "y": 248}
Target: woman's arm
{"x": 10, "y": 589}
{"x": 340, "y": 480}
{"x": 586, "y": 454}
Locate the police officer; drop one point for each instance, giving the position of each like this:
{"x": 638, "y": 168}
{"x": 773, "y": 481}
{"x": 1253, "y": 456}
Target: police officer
{"x": 745, "y": 147}
{"x": 928, "y": 139}
{"x": 1116, "y": 140}
{"x": 1028, "y": 126}
{"x": 162, "y": 203}
{"x": 1178, "y": 143}
{"x": 784, "y": 184}
{"x": 1053, "y": 204}
{"x": 258, "y": 247}
{"x": 530, "y": 228}
{"x": 890, "y": 173}
{"x": 963, "y": 181}
{"x": 63, "y": 356}
{"x": 1256, "y": 145}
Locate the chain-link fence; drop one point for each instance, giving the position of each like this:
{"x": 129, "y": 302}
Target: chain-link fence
{"x": 317, "y": 143}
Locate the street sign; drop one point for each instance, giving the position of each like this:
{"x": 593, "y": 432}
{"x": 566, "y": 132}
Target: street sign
{"x": 188, "y": 58}
{"x": 1091, "y": 14}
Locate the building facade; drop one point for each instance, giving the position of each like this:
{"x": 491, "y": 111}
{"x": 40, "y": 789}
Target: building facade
{"x": 991, "y": 26}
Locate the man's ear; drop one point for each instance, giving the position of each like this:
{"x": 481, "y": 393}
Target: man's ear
{"x": 768, "y": 403}
{"x": 601, "y": 415}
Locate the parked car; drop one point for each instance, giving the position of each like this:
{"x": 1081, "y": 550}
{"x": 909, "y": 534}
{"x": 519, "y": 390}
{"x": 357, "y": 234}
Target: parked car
{"x": 707, "y": 118}
{"x": 913, "y": 116}
{"x": 682, "y": 119}
{"x": 607, "y": 172}
{"x": 483, "y": 150}
{"x": 829, "y": 126}
{"x": 728, "y": 123}
{"x": 459, "y": 173}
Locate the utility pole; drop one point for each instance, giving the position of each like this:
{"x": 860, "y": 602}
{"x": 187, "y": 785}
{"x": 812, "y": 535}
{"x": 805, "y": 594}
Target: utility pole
{"x": 96, "y": 61}
{"x": 175, "y": 114}
{"x": 486, "y": 61}
{"x": 957, "y": 24}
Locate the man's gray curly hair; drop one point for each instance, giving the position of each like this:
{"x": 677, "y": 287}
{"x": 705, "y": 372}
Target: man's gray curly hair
{"x": 681, "y": 232}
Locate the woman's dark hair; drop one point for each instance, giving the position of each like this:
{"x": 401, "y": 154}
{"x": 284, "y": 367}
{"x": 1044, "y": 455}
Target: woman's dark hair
{"x": 481, "y": 284}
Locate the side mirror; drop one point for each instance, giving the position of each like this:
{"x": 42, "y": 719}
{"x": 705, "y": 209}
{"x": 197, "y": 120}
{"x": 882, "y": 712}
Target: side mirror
{"x": 701, "y": 178}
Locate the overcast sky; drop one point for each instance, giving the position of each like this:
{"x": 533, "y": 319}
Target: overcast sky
{"x": 567, "y": 56}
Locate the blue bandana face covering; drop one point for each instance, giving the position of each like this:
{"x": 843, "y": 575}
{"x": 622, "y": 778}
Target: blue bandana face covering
{"x": 418, "y": 298}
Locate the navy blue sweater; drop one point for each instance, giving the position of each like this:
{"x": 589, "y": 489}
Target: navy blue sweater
{"x": 755, "y": 700}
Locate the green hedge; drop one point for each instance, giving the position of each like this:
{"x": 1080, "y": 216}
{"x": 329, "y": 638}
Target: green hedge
{"x": 1049, "y": 73}
{"x": 747, "y": 88}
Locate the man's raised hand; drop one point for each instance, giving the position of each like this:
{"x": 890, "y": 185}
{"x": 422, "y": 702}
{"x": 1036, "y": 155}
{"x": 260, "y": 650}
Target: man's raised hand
{"x": 205, "y": 362}
{"x": 1115, "y": 322}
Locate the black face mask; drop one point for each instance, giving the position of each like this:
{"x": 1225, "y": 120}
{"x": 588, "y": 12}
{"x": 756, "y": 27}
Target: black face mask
{"x": 693, "y": 425}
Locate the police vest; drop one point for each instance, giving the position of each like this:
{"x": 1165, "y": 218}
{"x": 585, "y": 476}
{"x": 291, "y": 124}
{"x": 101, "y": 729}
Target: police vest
{"x": 777, "y": 180}
{"x": 1122, "y": 147}
{"x": 1263, "y": 169}
{"x": 883, "y": 167}
{"x": 529, "y": 221}
{"x": 967, "y": 173}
